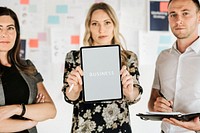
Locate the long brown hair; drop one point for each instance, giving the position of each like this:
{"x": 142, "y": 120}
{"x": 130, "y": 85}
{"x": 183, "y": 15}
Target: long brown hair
{"x": 13, "y": 55}
{"x": 88, "y": 40}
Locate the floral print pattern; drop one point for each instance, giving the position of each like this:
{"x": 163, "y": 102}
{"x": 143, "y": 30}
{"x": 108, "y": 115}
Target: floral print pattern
{"x": 100, "y": 117}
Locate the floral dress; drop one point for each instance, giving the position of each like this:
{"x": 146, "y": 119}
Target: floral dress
{"x": 100, "y": 117}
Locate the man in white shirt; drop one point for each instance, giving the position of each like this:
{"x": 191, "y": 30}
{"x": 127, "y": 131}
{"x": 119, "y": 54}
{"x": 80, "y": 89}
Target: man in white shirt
{"x": 177, "y": 73}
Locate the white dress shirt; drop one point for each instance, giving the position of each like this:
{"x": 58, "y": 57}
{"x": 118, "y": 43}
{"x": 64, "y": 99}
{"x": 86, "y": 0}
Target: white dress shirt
{"x": 178, "y": 77}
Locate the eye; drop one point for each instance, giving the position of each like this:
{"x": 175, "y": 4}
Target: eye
{"x": 94, "y": 24}
{"x": 185, "y": 13}
{"x": 11, "y": 28}
{"x": 107, "y": 22}
{"x": 173, "y": 15}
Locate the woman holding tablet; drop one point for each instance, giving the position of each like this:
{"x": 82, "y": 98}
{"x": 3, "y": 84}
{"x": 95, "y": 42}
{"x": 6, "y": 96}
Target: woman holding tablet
{"x": 101, "y": 28}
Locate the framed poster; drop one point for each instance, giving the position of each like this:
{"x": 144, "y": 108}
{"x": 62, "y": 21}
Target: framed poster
{"x": 23, "y": 49}
{"x": 157, "y": 15}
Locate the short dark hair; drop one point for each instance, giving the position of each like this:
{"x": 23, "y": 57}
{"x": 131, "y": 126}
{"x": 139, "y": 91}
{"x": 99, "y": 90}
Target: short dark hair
{"x": 196, "y": 2}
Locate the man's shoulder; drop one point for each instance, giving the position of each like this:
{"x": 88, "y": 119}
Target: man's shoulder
{"x": 164, "y": 51}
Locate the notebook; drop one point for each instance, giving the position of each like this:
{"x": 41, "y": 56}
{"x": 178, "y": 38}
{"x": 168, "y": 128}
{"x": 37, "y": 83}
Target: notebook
{"x": 158, "y": 116}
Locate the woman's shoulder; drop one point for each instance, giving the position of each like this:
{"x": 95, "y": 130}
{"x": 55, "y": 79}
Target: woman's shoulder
{"x": 73, "y": 53}
{"x": 72, "y": 56}
{"x": 130, "y": 54}
{"x": 27, "y": 62}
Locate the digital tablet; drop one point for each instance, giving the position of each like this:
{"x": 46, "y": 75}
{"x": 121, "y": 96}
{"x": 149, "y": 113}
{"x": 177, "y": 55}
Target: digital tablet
{"x": 101, "y": 67}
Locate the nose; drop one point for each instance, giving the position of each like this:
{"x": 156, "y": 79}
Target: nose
{"x": 2, "y": 36}
{"x": 3, "y": 33}
{"x": 179, "y": 20}
{"x": 101, "y": 28}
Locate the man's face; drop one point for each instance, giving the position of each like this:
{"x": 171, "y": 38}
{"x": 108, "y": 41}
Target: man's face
{"x": 183, "y": 18}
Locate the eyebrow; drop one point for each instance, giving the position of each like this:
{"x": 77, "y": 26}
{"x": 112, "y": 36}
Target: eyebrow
{"x": 181, "y": 11}
{"x": 8, "y": 25}
{"x": 185, "y": 10}
{"x": 103, "y": 20}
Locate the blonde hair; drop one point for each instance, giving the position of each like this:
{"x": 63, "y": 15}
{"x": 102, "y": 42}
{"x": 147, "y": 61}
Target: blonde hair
{"x": 88, "y": 40}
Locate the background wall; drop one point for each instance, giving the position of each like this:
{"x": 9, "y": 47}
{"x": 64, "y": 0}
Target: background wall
{"x": 51, "y": 28}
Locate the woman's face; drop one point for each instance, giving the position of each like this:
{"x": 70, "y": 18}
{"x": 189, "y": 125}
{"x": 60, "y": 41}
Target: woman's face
{"x": 7, "y": 33}
{"x": 101, "y": 28}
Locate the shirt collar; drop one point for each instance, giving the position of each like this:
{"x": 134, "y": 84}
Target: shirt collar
{"x": 174, "y": 47}
{"x": 195, "y": 46}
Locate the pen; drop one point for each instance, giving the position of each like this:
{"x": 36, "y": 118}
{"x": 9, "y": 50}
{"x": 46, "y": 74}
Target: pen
{"x": 71, "y": 87}
{"x": 162, "y": 95}
{"x": 164, "y": 98}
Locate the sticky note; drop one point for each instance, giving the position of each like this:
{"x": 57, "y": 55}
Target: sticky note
{"x": 24, "y": 2}
{"x": 42, "y": 36}
{"x": 61, "y": 9}
{"x": 33, "y": 43}
{"x": 163, "y": 6}
{"x": 165, "y": 39}
{"x": 75, "y": 39}
{"x": 32, "y": 8}
{"x": 53, "y": 20}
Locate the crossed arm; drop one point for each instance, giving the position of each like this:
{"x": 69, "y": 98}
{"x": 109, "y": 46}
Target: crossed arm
{"x": 44, "y": 109}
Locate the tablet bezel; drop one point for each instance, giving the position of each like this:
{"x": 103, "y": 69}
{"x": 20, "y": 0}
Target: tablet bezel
{"x": 119, "y": 65}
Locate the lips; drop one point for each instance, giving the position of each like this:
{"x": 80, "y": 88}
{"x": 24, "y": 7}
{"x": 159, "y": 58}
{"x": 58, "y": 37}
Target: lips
{"x": 179, "y": 28}
{"x": 102, "y": 37}
{"x": 4, "y": 42}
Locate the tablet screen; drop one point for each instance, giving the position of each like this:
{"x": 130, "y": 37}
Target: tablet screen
{"x": 101, "y": 67}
